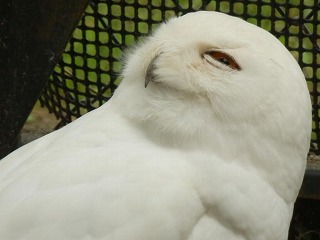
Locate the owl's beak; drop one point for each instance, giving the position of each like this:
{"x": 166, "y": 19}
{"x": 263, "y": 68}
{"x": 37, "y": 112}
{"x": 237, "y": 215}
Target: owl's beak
{"x": 150, "y": 75}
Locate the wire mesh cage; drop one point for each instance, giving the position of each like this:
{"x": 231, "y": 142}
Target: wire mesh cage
{"x": 88, "y": 71}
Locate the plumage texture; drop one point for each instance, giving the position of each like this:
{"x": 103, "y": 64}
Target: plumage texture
{"x": 206, "y": 151}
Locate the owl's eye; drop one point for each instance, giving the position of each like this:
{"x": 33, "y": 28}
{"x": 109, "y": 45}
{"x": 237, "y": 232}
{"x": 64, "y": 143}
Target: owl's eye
{"x": 224, "y": 59}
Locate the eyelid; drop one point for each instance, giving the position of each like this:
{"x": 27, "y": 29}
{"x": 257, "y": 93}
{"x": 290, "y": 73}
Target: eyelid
{"x": 216, "y": 55}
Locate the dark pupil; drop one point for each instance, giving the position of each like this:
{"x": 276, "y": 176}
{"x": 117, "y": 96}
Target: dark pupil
{"x": 224, "y": 61}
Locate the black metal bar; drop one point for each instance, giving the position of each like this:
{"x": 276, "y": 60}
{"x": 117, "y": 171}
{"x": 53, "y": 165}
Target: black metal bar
{"x": 33, "y": 36}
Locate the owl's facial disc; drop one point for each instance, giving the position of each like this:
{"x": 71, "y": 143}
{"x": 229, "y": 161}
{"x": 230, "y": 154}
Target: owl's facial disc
{"x": 150, "y": 75}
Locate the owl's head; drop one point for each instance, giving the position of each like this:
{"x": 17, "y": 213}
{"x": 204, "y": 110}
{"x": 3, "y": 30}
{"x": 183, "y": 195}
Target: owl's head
{"x": 209, "y": 80}
{"x": 206, "y": 70}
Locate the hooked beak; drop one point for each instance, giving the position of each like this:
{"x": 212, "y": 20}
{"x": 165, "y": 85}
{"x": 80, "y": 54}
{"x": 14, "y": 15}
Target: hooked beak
{"x": 150, "y": 75}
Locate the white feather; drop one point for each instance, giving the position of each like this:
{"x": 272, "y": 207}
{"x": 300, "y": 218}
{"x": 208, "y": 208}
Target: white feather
{"x": 204, "y": 152}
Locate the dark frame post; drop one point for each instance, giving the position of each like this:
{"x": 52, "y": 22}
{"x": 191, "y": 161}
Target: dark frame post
{"x": 33, "y": 35}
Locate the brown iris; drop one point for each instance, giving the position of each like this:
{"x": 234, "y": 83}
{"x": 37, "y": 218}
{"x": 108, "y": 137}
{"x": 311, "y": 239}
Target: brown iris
{"x": 224, "y": 59}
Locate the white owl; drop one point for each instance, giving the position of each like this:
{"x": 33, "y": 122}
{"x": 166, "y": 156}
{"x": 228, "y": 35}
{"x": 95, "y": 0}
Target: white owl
{"x": 205, "y": 138}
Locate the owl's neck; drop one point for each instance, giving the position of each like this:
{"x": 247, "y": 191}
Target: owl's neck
{"x": 174, "y": 121}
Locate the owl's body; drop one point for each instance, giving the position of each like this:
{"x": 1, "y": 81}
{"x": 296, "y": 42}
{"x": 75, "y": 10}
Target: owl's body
{"x": 132, "y": 189}
{"x": 210, "y": 149}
